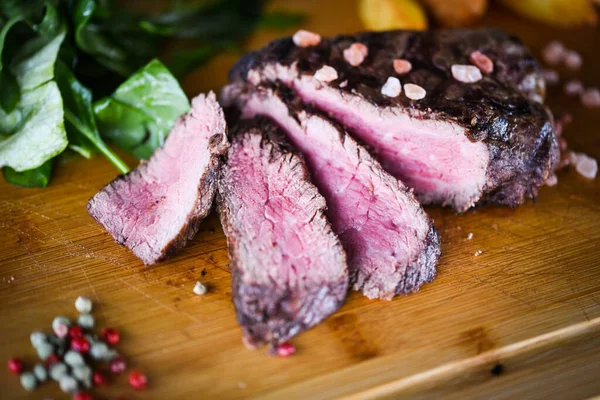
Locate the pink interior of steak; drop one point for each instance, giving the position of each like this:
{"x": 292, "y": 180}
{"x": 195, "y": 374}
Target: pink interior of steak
{"x": 382, "y": 227}
{"x": 147, "y": 209}
{"x": 282, "y": 240}
{"x": 433, "y": 157}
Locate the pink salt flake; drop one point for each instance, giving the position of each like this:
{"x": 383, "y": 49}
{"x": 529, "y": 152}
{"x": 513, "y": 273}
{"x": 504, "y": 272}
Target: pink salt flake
{"x": 344, "y": 84}
{"x": 551, "y": 181}
{"x": 355, "y": 54}
{"x": 392, "y": 87}
{"x": 550, "y": 76}
{"x": 590, "y": 98}
{"x": 573, "y": 88}
{"x": 481, "y": 61}
{"x": 466, "y": 73}
{"x": 61, "y": 330}
{"x": 304, "y": 38}
{"x": 573, "y": 60}
{"x": 402, "y": 66}
{"x": 326, "y": 74}
{"x": 554, "y": 52}
{"x": 586, "y": 166}
{"x": 414, "y": 92}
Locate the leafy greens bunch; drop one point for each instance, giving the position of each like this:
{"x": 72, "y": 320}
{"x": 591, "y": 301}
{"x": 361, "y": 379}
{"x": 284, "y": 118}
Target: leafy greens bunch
{"x": 77, "y": 73}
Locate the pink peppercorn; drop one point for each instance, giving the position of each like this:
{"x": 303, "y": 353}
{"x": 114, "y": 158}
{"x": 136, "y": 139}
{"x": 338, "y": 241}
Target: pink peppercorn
{"x": 75, "y": 331}
{"x": 111, "y": 336}
{"x": 82, "y": 396}
{"x": 481, "y": 61}
{"x": 80, "y": 344}
{"x": 100, "y": 379}
{"x": 52, "y": 358}
{"x": 137, "y": 380}
{"x": 286, "y": 349}
{"x": 15, "y": 365}
{"x": 117, "y": 365}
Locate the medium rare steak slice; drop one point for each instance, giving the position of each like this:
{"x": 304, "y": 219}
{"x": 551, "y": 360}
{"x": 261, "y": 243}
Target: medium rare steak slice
{"x": 391, "y": 243}
{"x": 288, "y": 267}
{"x": 462, "y": 144}
{"x": 156, "y": 208}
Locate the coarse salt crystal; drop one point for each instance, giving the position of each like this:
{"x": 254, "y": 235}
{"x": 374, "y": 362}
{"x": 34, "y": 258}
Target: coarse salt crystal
{"x": 61, "y": 330}
{"x": 304, "y": 38}
{"x": 344, "y": 84}
{"x": 584, "y": 165}
{"x": 326, "y": 74}
{"x": 590, "y": 98}
{"x": 200, "y": 289}
{"x": 83, "y": 305}
{"x": 573, "y": 88}
{"x": 478, "y": 253}
{"x": 554, "y": 52}
{"x": 551, "y": 181}
{"x": 470, "y": 236}
{"x": 466, "y": 73}
{"x": 402, "y": 66}
{"x": 356, "y": 53}
{"x": 481, "y": 61}
{"x": 414, "y": 92}
{"x": 573, "y": 60}
{"x": 392, "y": 87}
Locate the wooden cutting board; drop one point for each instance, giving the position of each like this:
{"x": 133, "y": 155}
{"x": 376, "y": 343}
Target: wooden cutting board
{"x": 521, "y": 320}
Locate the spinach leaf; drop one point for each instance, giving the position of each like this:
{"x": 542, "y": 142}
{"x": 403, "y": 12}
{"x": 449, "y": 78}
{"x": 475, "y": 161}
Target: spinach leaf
{"x": 138, "y": 116}
{"x": 37, "y": 177}
{"x": 77, "y": 101}
{"x": 34, "y": 131}
{"x": 9, "y": 89}
{"x": 20, "y": 8}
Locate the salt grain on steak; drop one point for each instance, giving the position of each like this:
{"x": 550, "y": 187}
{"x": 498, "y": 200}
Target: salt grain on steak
{"x": 304, "y": 38}
{"x": 573, "y": 60}
{"x": 355, "y": 54}
{"x": 392, "y": 87}
{"x": 482, "y": 62}
{"x": 554, "y": 52}
{"x": 590, "y": 98}
{"x": 466, "y": 73}
{"x": 402, "y": 66}
{"x": 326, "y": 74}
{"x": 288, "y": 267}
{"x": 156, "y": 208}
{"x": 573, "y": 88}
{"x": 414, "y": 92}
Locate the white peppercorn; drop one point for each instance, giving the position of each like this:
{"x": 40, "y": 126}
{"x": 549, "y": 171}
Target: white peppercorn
{"x": 44, "y": 350}
{"x": 86, "y": 321}
{"x": 73, "y": 358}
{"x": 83, "y": 374}
{"x": 99, "y": 351}
{"x": 40, "y": 372}
{"x": 28, "y": 381}
{"x": 37, "y": 338}
{"x": 60, "y": 320}
{"x": 83, "y": 305}
{"x": 57, "y": 370}
{"x": 68, "y": 384}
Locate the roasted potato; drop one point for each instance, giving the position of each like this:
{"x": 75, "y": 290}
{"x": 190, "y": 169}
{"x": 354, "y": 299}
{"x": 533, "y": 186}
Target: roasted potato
{"x": 453, "y": 13}
{"x": 555, "y": 12}
{"x": 381, "y": 15}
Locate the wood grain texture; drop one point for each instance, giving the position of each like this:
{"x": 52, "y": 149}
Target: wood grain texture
{"x": 530, "y": 301}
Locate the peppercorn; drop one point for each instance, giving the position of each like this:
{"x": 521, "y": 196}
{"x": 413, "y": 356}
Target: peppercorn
{"x": 137, "y": 380}
{"x": 57, "y": 370}
{"x": 111, "y": 336}
{"x": 60, "y": 320}
{"x": 28, "y": 381}
{"x": 52, "y": 358}
{"x": 83, "y": 305}
{"x": 75, "y": 331}
{"x": 40, "y": 372}
{"x": 73, "y": 358}
{"x": 83, "y": 373}
{"x": 80, "y": 344}
{"x": 37, "y": 338}
{"x": 68, "y": 384}
{"x": 15, "y": 365}
{"x": 99, "y": 351}
{"x": 86, "y": 321}
{"x": 117, "y": 365}
{"x": 44, "y": 350}
{"x": 82, "y": 396}
{"x": 99, "y": 378}
{"x": 286, "y": 349}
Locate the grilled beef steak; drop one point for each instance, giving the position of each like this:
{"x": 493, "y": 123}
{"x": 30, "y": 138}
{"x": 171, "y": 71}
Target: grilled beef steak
{"x": 156, "y": 208}
{"x": 288, "y": 267}
{"x": 391, "y": 243}
{"x": 462, "y": 144}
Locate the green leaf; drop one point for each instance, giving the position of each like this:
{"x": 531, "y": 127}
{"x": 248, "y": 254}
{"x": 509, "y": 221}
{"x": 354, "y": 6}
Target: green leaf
{"x": 33, "y": 65}
{"x": 280, "y": 20}
{"x": 51, "y": 23}
{"x": 21, "y": 8}
{"x": 9, "y": 91}
{"x": 37, "y": 177}
{"x": 77, "y": 101}
{"x": 34, "y": 131}
{"x": 138, "y": 116}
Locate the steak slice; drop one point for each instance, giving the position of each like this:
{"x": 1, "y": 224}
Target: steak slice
{"x": 288, "y": 267}
{"x": 463, "y": 143}
{"x": 156, "y": 208}
{"x": 392, "y": 245}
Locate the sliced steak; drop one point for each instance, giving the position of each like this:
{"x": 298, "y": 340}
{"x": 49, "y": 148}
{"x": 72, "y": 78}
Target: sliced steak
{"x": 156, "y": 208}
{"x": 391, "y": 243}
{"x": 288, "y": 267}
{"x": 462, "y": 144}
